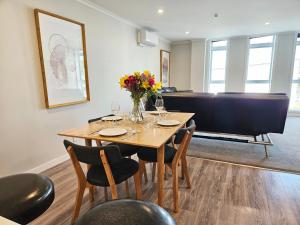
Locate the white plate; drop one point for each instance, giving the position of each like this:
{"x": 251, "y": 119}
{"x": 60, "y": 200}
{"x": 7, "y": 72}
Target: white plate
{"x": 111, "y": 118}
{"x": 157, "y": 113}
{"x": 111, "y": 132}
{"x": 168, "y": 122}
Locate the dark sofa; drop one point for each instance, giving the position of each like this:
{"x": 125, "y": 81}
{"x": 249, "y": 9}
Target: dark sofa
{"x": 232, "y": 113}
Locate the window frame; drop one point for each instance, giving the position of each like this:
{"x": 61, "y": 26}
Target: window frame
{"x": 261, "y": 45}
{"x": 217, "y": 48}
{"x": 295, "y": 81}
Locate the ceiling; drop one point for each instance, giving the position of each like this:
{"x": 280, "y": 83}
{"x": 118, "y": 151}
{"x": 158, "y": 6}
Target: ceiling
{"x": 236, "y": 17}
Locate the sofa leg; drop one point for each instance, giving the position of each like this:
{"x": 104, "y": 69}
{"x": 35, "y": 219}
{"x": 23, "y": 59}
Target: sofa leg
{"x": 266, "y": 147}
{"x": 255, "y": 139}
{"x": 266, "y": 151}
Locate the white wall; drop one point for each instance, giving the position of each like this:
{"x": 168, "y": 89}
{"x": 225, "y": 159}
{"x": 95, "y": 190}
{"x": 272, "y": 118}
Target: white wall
{"x": 237, "y": 63}
{"x": 283, "y": 63}
{"x": 29, "y": 131}
{"x": 198, "y": 53}
{"x": 181, "y": 65}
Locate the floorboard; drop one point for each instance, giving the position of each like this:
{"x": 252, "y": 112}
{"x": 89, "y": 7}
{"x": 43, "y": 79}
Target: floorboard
{"x": 221, "y": 194}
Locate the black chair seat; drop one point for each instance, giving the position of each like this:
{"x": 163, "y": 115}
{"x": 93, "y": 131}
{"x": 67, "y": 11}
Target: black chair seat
{"x": 150, "y": 155}
{"x": 121, "y": 171}
{"x": 127, "y": 150}
{"x": 126, "y": 212}
{"x": 24, "y": 197}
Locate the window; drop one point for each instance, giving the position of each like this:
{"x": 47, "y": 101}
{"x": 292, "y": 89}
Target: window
{"x": 295, "y": 93}
{"x": 217, "y": 66}
{"x": 259, "y": 64}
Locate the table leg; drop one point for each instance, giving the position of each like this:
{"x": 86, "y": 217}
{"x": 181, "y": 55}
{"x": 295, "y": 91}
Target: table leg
{"x": 88, "y": 142}
{"x": 161, "y": 171}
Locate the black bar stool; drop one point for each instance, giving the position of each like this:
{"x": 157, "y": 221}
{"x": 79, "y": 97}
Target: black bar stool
{"x": 24, "y": 197}
{"x": 126, "y": 212}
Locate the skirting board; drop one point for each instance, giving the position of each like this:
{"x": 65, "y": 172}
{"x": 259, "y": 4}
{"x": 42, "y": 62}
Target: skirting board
{"x": 48, "y": 165}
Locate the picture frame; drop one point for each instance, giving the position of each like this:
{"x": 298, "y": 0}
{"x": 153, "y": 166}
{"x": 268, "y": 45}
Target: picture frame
{"x": 165, "y": 68}
{"x": 63, "y": 58}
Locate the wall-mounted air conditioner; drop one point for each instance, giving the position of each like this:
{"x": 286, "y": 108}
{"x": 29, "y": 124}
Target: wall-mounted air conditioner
{"x": 147, "y": 38}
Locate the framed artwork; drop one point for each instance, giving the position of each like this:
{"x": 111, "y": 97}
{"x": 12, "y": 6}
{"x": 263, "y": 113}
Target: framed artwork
{"x": 63, "y": 59}
{"x": 165, "y": 68}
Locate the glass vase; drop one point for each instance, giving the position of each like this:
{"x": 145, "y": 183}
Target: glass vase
{"x": 136, "y": 115}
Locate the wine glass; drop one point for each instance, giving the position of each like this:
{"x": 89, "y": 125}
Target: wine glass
{"x": 115, "y": 108}
{"x": 159, "y": 105}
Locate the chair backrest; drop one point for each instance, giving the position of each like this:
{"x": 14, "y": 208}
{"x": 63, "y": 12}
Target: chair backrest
{"x": 99, "y": 118}
{"x": 183, "y": 139}
{"x": 91, "y": 155}
{"x": 191, "y": 126}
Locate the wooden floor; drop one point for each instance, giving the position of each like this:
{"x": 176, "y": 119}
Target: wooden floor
{"x": 221, "y": 194}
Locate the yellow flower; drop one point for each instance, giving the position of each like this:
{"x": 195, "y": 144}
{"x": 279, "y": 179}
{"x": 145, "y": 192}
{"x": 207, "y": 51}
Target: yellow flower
{"x": 156, "y": 87}
{"x": 147, "y": 73}
{"x": 137, "y": 74}
{"x": 122, "y": 81}
{"x": 145, "y": 84}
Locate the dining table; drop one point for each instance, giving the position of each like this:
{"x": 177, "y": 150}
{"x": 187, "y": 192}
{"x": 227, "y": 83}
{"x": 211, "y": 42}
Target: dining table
{"x": 146, "y": 134}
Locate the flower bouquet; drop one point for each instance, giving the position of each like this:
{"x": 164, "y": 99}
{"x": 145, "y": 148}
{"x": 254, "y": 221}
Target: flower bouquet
{"x": 139, "y": 84}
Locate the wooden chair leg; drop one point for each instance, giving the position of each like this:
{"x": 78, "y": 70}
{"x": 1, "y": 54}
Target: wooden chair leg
{"x": 109, "y": 175}
{"x": 91, "y": 193}
{"x": 143, "y": 170}
{"x": 105, "y": 194}
{"x": 127, "y": 189}
{"x": 153, "y": 171}
{"x": 138, "y": 187}
{"x": 145, "y": 173}
{"x": 78, "y": 202}
{"x": 99, "y": 143}
{"x": 166, "y": 173}
{"x": 182, "y": 171}
{"x": 175, "y": 188}
{"x": 185, "y": 170}
{"x": 114, "y": 193}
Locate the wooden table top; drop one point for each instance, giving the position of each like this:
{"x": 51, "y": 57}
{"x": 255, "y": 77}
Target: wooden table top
{"x": 147, "y": 134}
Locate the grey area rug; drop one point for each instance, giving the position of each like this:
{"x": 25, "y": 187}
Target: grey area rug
{"x": 284, "y": 155}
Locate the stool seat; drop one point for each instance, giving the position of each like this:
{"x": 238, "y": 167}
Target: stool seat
{"x": 24, "y": 197}
{"x": 126, "y": 212}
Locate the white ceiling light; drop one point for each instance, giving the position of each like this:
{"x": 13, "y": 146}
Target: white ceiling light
{"x": 160, "y": 11}
{"x": 187, "y": 32}
{"x": 267, "y": 23}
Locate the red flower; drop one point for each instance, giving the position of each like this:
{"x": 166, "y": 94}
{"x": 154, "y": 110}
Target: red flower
{"x": 151, "y": 81}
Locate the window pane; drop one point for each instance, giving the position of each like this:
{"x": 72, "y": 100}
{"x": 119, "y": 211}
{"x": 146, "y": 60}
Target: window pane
{"x": 295, "y": 97}
{"x": 257, "y": 87}
{"x": 259, "y": 63}
{"x": 296, "y": 75}
{"x": 260, "y": 55}
{"x": 261, "y": 40}
{"x": 218, "y": 74}
{"x": 219, "y": 43}
{"x": 259, "y": 72}
{"x": 215, "y": 88}
{"x": 218, "y": 65}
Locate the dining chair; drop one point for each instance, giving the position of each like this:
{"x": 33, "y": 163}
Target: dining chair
{"x": 173, "y": 155}
{"x": 125, "y": 150}
{"x": 107, "y": 168}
